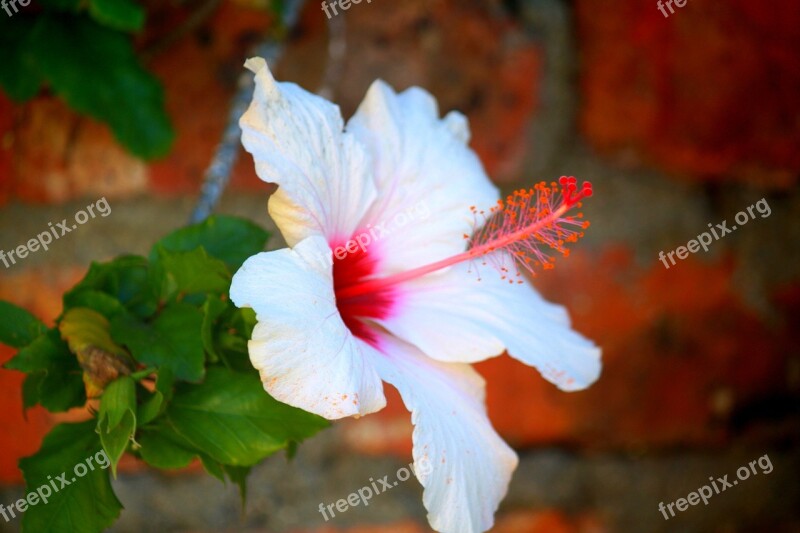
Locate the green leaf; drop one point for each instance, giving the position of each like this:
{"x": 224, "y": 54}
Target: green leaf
{"x": 171, "y": 341}
{"x": 118, "y": 399}
{"x": 154, "y": 405}
{"x": 87, "y": 334}
{"x": 83, "y": 328}
{"x": 230, "y": 239}
{"x": 126, "y": 279}
{"x": 30, "y": 389}
{"x": 159, "y": 449}
{"x": 212, "y": 467}
{"x": 88, "y": 504}
{"x": 116, "y": 421}
{"x": 18, "y": 328}
{"x": 212, "y": 310}
{"x": 150, "y": 408}
{"x": 115, "y": 441}
{"x": 291, "y": 450}
{"x": 238, "y": 474}
{"x": 44, "y": 352}
{"x": 19, "y": 76}
{"x": 97, "y": 72}
{"x": 103, "y": 303}
{"x": 231, "y": 340}
{"x": 118, "y": 14}
{"x": 232, "y": 419}
{"x": 193, "y": 272}
{"x": 59, "y": 385}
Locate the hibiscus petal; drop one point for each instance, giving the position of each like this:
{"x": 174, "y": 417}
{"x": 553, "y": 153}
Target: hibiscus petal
{"x": 304, "y": 352}
{"x": 463, "y": 316}
{"x": 426, "y": 175}
{"x": 297, "y": 141}
{"x": 461, "y": 461}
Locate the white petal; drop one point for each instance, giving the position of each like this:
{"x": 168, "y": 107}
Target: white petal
{"x": 461, "y": 316}
{"x": 305, "y": 354}
{"x": 427, "y": 178}
{"x": 463, "y": 464}
{"x": 297, "y": 141}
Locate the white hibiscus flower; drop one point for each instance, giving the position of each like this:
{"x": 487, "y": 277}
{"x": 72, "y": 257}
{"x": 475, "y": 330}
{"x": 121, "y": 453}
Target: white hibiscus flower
{"x": 413, "y": 308}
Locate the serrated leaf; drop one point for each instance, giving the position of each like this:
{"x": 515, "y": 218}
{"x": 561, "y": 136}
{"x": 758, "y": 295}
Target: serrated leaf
{"x": 126, "y": 279}
{"x": 40, "y": 355}
{"x": 122, "y": 15}
{"x": 193, "y": 272}
{"x": 88, "y": 504}
{"x": 99, "y": 301}
{"x": 83, "y": 328}
{"x": 212, "y": 310}
{"x": 236, "y": 328}
{"x": 238, "y": 475}
{"x": 232, "y": 419}
{"x": 87, "y": 333}
{"x": 150, "y": 408}
{"x": 118, "y": 399}
{"x": 18, "y": 327}
{"x": 115, "y": 441}
{"x": 212, "y": 467}
{"x": 116, "y": 420}
{"x": 97, "y": 72}
{"x": 156, "y": 403}
{"x": 30, "y": 389}
{"x": 227, "y": 238}
{"x": 59, "y": 386}
{"x": 158, "y": 448}
{"x": 171, "y": 341}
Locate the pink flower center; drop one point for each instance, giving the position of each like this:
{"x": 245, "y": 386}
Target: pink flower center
{"x": 352, "y": 269}
{"x": 528, "y": 226}
{"x": 523, "y": 223}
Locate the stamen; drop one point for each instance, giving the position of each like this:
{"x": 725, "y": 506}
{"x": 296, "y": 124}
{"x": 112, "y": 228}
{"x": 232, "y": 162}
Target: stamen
{"x": 527, "y": 225}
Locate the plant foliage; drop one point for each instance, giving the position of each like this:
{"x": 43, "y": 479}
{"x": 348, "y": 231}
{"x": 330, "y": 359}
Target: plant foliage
{"x": 83, "y": 52}
{"x": 160, "y": 352}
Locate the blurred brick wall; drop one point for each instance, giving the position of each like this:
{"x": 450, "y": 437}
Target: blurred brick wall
{"x": 709, "y": 93}
{"x": 706, "y": 96}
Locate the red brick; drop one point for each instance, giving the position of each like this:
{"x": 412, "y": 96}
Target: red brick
{"x": 6, "y": 145}
{"x": 450, "y": 48}
{"x": 58, "y": 156}
{"x": 547, "y": 521}
{"x": 199, "y": 76}
{"x": 469, "y": 55}
{"x": 709, "y": 91}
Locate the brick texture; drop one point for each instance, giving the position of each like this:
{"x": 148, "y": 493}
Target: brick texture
{"x": 708, "y": 93}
